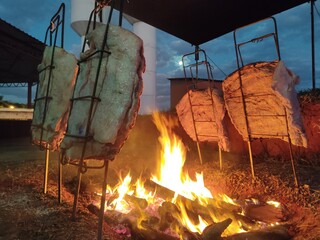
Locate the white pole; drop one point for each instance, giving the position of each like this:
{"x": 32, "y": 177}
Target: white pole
{"x": 80, "y": 12}
{"x": 148, "y": 34}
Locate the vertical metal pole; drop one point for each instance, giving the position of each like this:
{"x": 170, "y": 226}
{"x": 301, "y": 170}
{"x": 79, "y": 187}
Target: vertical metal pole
{"x": 103, "y": 200}
{"x": 194, "y": 126}
{"x": 251, "y": 159}
{"x": 296, "y": 183}
{"x": 196, "y": 58}
{"x": 76, "y": 195}
{"x": 220, "y": 158}
{"x": 92, "y": 103}
{"x": 199, "y": 151}
{"x": 29, "y": 104}
{"x": 59, "y": 176}
{"x": 312, "y": 47}
{"x": 244, "y": 102}
{"x": 46, "y": 169}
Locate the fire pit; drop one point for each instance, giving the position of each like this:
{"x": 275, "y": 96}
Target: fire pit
{"x": 27, "y": 213}
{"x": 174, "y": 205}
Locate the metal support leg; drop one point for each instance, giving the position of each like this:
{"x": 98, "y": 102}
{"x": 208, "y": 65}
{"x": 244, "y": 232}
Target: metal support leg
{"x": 59, "y": 177}
{"x": 296, "y": 182}
{"x": 251, "y": 159}
{"x": 76, "y": 195}
{"x": 220, "y": 158}
{"x": 46, "y": 170}
{"x": 199, "y": 152}
{"x": 103, "y": 200}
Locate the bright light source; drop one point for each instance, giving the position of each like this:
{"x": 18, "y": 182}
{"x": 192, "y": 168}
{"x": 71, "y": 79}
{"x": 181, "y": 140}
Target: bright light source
{"x": 11, "y": 106}
{"x": 180, "y": 63}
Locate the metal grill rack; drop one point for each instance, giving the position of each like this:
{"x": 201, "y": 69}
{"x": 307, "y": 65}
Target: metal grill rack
{"x": 94, "y": 99}
{"x": 197, "y": 68}
{"x": 244, "y": 98}
{"x": 51, "y": 39}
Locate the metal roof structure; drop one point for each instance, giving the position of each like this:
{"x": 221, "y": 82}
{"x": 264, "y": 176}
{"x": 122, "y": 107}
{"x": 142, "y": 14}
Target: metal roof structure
{"x": 199, "y": 21}
{"x": 195, "y": 21}
{"x": 20, "y": 55}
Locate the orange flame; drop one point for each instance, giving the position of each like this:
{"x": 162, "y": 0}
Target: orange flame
{"x": 171, "y": 175}
{"x": 173, "y": 157}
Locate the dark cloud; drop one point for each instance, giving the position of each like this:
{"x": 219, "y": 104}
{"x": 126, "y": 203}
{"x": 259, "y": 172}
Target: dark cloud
{"x": 163, "y": 103}
{"x": 25, "y": 15}
{"x": 181, "y": 47}
{"x": 170, "y": 50}
{"x": 29, "y": 16}
{"x": 162, "y": 92}
{"x": 293, "y": 28}
{"x": 33, "y": 17}
{"x": 220, "y": 46}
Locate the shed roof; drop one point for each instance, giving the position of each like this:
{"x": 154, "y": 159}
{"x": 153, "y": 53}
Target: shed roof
{"x": 199, "y": 21}
{"x": 20, "y": 55}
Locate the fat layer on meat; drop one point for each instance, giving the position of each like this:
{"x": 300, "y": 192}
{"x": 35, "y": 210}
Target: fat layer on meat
{"x": 271, "y": 102}
{"x": 208, "y": 114}
{"x": 119, "y": 87}
{"x": 51, "y": 121}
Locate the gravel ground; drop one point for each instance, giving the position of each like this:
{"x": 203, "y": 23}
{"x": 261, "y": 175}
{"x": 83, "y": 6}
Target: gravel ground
{"x": 27, "y": 213}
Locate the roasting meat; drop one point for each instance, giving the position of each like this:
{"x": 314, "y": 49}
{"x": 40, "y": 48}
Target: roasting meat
{"x": 51, "y": 121}
{"x": 271, "y": 101}
{"x": 118, "y": 90}
{"x": 208, "y": 115}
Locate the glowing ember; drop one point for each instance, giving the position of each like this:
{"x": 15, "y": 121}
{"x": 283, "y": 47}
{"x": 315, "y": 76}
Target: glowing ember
{"x": 188, "y": 223}
{"x": 119, "y": 203}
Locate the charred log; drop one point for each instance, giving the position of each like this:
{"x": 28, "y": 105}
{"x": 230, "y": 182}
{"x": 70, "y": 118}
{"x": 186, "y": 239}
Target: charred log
{"x": 161, "y": 191}
{"x": 149, "y": 234}
{"x": 274, "y": 233}
{"x": 214, "y": 231}
{"x": 167, "y": 211}
{"x": 138, "y": 202}
{"x": 265, "y": 213}
{"x": 187, "y": 235}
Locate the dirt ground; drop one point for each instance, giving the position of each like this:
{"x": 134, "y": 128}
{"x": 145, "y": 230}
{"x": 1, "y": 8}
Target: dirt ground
{"x": 27, "y": 213}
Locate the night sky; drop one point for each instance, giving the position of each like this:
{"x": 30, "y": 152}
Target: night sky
{"x": 294, "y": 32}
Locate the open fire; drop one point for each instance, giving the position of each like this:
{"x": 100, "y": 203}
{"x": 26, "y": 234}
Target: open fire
{"x": 173, "y": 203}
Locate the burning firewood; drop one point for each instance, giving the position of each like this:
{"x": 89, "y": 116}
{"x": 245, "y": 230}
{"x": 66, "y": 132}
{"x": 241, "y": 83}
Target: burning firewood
{"x": 167, "y": 211}
{"x": 214, "y": 231}
{"x": 187, "y": 235}
{"x": 146, "y": 233}
{"x": 140, "y": 203}
{"x": 149, "y": 234}
{"x": 214, "y": 205}
{"x": 274, "y": 233}
{"x": 247, "y": 223}
{"x": 162, "y": 192}
{"x": 113, "y": 217}
{"x": 265, "y": 213}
